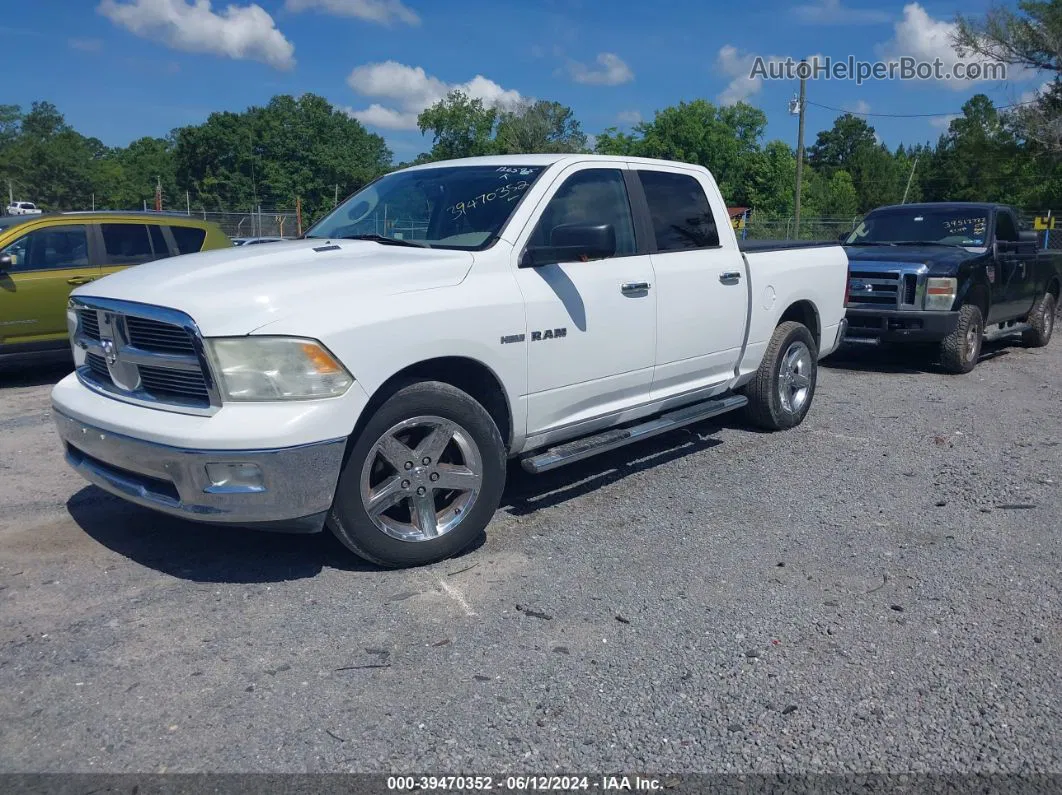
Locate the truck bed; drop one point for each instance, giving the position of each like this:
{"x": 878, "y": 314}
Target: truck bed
{"x": 758, "y": 246}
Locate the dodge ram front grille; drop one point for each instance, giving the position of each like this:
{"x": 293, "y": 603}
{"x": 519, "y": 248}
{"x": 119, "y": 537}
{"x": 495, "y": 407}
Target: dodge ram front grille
{"x": 143, "y": 354}
{"x": 151, "y": 335}
{"x": 89, "y": 323}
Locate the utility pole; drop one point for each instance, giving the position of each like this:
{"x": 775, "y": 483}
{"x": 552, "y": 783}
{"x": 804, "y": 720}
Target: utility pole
{"x": 336, "y": 202}
{"x": 909, "y": 178}
{"x": 10, "y": 193}
{"x": 187, "y": 203}
{"x": 802, "y": 104}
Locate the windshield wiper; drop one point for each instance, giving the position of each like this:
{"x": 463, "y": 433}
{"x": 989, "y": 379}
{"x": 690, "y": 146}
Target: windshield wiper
{"x": 923, "y": 243}
{"x": 870, "y": 243}
{"x": 387, "y": 241}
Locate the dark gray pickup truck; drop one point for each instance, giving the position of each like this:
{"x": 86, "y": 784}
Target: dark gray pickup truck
{"x": 945, "y": 273}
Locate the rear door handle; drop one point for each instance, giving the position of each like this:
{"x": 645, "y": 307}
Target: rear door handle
{"x": 79, "y": 279}
{"x": 730, "y": 277}
{"x": 631, "y": 288}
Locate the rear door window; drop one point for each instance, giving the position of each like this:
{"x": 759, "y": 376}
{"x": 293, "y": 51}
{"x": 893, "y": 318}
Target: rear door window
{"x": 158, "y": 242}
{"x": 126, "y": 244}
{"x": 681, "y": 215}
{"x": 189, "y": 239}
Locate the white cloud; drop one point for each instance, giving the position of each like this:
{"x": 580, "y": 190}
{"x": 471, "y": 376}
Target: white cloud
{"x": 926, "y": 39}
{"x": 612, "y": 72}
{"x": 409, "y": 90}
{"x": 1029, "y": 97}
{"x": 628, "y": 117}
{"x": 738, "y": 66}
{"x": 383, "y": 11}
{"x": 943, "y": 122}
{"x": 832, "y": 12}
{"x": 240, "y": 32}
{"x": 862, "y": 106}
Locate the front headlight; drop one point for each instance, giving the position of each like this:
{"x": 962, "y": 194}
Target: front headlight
{"x": 940, "y": 293}
{"x": 276, "y": 368}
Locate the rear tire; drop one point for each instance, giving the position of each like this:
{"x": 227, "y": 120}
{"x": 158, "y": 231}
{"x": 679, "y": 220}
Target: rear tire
{"x": 960, "y": 350}
{"x": 392, "y": 505}
{"x": 780, "y": 393}
{"x": 1041, "y": 322}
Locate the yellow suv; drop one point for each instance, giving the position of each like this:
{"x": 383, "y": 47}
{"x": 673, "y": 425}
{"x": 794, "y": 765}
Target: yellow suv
{"x": 44, "y": 257}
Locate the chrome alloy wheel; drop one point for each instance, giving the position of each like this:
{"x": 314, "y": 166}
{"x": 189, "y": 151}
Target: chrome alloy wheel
{"x": 973, "y": 341}
{"x": 794, "y": 377}
{"x": 421, "y": 478}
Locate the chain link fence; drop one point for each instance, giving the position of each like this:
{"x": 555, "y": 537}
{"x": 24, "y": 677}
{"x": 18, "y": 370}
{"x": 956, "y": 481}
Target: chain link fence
{"x": 259, "y": 223}
{"x": 786, "y": 229}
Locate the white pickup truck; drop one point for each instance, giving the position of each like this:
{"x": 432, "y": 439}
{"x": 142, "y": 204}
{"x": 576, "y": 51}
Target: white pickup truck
{"x": 375, "y": 376}
{"x": 23, "y": 208}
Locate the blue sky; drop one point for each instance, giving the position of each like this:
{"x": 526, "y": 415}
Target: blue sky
{"x": 121, "y": 69}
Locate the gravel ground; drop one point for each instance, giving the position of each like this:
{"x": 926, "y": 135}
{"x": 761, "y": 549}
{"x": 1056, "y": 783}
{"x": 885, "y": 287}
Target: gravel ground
{"x": 877, "y": 590}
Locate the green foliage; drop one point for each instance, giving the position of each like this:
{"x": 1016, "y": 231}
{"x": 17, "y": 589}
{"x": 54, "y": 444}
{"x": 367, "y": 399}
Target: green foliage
{"x": 270, "y": 155}
{"x": 539, "y": 127}
{"x": 461, "y": 126}
{"x": 305, "y": 148}
{"x": 465, "y": 127}
{"x": 1028, "y": 38}
{"x": 724, "y": 140}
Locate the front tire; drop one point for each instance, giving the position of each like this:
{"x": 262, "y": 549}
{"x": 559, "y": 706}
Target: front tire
{"x": 960, "y": 350}
{"x": 422, "y": 479}
{"x": 781, "y": 391}
{"x": 1041, "y": 322}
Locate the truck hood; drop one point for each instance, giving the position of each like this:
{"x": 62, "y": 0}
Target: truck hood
{"x": 234, "y": 291}
{"x": 940, "y": 259}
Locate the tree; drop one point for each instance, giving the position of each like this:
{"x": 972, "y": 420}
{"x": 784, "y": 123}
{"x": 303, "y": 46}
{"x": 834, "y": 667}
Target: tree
{"x": 835, "y": 148}
{"x": 291, "y": 148}
{"x": 539, "y": 127}
{"x": 979, "y": 158}
{"x": 461, "y": 126}
{"x": 721, "y": 139}
{"x": 1029, "y": 38}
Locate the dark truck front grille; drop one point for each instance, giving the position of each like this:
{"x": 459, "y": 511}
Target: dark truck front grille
{"x": 874, "y": 288}
{"x": 885, "y": 287}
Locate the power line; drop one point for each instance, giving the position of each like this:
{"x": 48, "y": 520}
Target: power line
{"x": 912, "y": 115}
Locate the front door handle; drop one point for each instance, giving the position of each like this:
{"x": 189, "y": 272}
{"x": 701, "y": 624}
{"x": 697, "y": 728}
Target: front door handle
{"x": 730, "y": 277}
{"x": 632, "y": 288}
{"x": 80, "y": 279}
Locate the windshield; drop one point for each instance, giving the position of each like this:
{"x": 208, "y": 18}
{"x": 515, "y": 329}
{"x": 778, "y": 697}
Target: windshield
{"x": 462, "y": 207}
{"x": 948, "y": 227}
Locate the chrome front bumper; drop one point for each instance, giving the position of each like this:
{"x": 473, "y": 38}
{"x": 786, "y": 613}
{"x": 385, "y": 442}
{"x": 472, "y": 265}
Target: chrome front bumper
{"x": 288, "y": 489}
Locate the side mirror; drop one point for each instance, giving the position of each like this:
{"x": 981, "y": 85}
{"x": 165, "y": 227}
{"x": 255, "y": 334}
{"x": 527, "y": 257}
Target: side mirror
{"x": 572, "y": 243}
{"x": 5, "y": 262}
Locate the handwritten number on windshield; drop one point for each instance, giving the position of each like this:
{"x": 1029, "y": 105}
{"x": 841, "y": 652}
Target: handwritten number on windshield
{"x": 509, "y": 192}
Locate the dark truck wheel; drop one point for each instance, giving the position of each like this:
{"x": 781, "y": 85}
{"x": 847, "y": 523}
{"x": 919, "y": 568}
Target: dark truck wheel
{"x": 960, "y": 350}
{"x": 1041, "y": 322}
{"x": 781, "y": 391}
{"x": 422, "y": 479}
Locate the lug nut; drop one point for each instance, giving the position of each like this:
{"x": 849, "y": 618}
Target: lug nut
{"x": 409, "y": 464}
{"x": 421, "y": 491}
{"x": 405, "y": 484}
{"x": 434, "y": 476}
{"x": 425, "y": 461}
